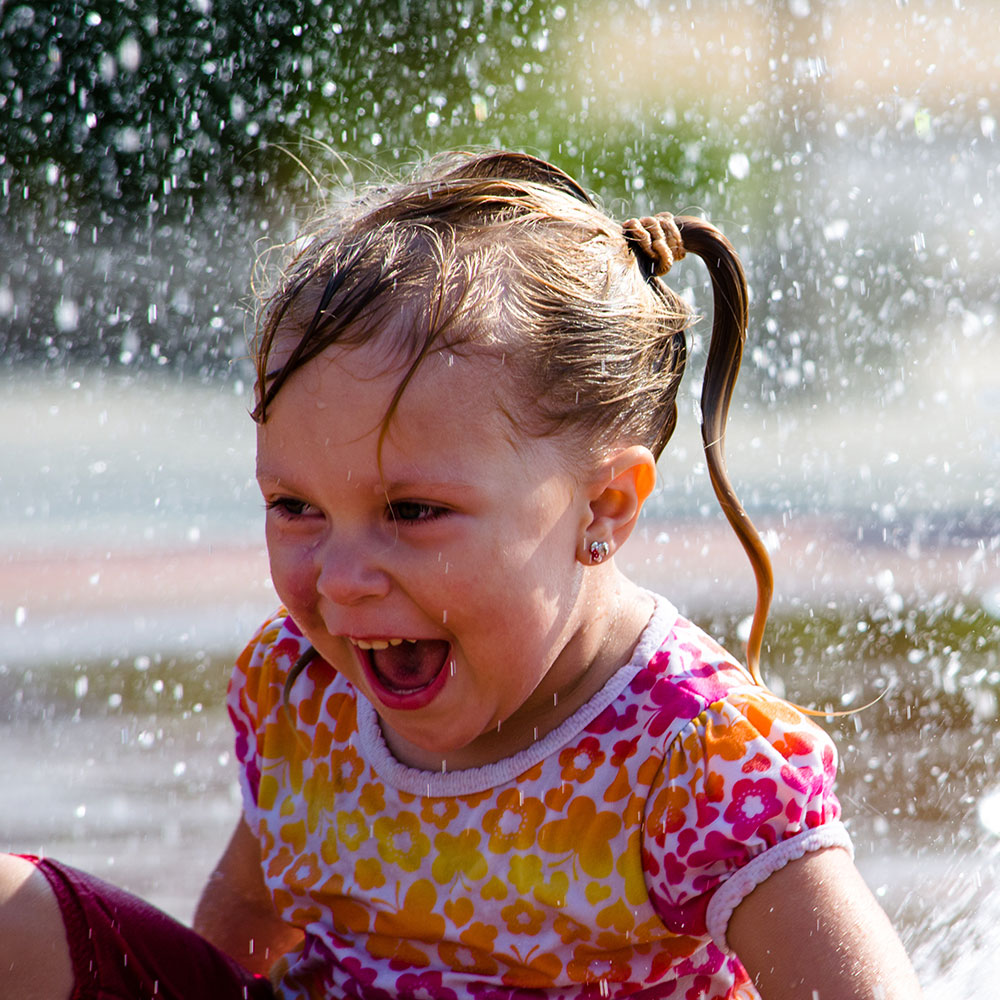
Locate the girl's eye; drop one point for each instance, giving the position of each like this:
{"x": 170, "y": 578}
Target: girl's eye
{"x": 288, "y": 507}
{"x": 414, "y": 511}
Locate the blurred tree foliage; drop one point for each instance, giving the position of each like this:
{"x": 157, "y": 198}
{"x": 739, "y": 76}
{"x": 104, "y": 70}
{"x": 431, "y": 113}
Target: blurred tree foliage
{"x": 147, "y": 143}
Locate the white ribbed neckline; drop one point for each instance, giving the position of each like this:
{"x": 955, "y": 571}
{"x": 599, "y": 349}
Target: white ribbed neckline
{"x": 480, "y": 779}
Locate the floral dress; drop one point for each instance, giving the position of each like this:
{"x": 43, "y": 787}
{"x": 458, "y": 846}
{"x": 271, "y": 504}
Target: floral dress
{"x": 605, "y": 860}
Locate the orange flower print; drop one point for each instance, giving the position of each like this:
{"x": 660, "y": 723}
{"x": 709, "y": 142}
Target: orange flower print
{"x": 512, "y": 824}
{"x": 579, "y": 762}
{"x": 594, "y": 965}
{"x": 570, "y": 930}
{"x": 523, "y": 918}
{"x": 401, "y": 841}
{"x": 728, "y": 739}
{"x": 464, "y": 958}
{"x": 303, "y": 875}
{"x": 440, "y": 812}
{"x": 368, "y": 874}
{"x": 372, "y": 799}
{"x": 531, "y": 972}
{"x": 416, "y": 920}
{"x": 346, "y": 767}
{"x": 666, "y": 812}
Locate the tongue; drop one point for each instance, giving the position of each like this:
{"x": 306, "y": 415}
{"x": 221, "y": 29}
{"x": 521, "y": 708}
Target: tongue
{"x": 410, "y": 665}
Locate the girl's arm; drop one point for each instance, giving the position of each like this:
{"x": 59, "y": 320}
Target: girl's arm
{"x": 235, "y": 911}
{"x": 813, "y": 929}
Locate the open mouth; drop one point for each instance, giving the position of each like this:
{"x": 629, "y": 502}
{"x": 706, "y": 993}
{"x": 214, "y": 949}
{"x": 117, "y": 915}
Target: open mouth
{"x": 404, "y": 673}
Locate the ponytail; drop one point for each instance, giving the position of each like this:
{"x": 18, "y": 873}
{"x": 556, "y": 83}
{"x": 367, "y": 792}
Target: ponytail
{"x": 661, "y": 240}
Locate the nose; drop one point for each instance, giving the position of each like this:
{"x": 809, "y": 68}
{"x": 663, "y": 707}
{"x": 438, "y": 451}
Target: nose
{"x": 349, "y": 571}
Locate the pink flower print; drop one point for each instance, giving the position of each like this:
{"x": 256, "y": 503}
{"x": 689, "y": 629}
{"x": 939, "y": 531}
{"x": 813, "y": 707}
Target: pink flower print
{"x": 615, "y": 718}
{"x": 361, "y": 981}
{"x": 423, "y": 986}
{"x": 753, "y": 802}
{"x": 686, "y": 839}
{"x": 720, "y": 853}
{"x": 672, "y": 702}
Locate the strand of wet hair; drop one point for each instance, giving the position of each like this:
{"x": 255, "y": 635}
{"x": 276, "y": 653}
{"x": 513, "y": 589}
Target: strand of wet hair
{"x": 658, "y": 242}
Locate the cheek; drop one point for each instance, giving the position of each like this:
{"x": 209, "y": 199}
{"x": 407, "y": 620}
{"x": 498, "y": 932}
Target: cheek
{"x": 293, "y": 573}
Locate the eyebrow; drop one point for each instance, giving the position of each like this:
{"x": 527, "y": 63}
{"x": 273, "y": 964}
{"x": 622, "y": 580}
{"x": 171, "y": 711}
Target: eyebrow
{"x": 397, "y": 486}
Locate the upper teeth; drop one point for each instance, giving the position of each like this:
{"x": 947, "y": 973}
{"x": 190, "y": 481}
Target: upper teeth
{"x": 378, "y": 643}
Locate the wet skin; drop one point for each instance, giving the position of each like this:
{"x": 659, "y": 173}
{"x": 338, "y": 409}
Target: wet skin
{"x": 462, "y": 530}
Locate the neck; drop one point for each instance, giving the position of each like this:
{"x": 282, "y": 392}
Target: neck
{"x": 599, "y": 645}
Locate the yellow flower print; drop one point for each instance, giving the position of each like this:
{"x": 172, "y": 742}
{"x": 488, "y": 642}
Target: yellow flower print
{"x": 368, "y": 874}
{"x": 512, "y": 824}
{"x": 440, "y": 812}
{"x": 617, "y": 915}
{"x": 283, "y": 744}
{"x": 494, "y": 889}
{"x": 294, "y": 834}
{"x": 629, "y": 867}
{"x": 586, "y": 833}
{"x": 523, "y": 918}
{"x": 526, "y": 875}
{"x": 458, "y": 856}
{"x": 401, "y": 841}
{"x": 267, "y": 792}
{"x": 352, "y": 829}
{"x": 319, "y": 793}
{"x": 328, "y": 849}
{"x": 579, "y": 762}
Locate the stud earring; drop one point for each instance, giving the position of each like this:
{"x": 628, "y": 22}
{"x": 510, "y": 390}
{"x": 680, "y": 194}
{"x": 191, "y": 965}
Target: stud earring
{"x": 599, "y": 551}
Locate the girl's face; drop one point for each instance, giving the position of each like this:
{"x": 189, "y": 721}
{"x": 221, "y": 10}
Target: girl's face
{"x": 440, "y": 576}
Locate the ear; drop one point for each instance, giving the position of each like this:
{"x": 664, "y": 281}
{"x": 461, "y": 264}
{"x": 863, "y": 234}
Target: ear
{"x": 619, "y": 487}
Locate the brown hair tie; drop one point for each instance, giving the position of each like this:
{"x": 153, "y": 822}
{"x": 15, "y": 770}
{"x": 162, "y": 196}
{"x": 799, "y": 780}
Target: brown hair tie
{"x": 658, "y": 237}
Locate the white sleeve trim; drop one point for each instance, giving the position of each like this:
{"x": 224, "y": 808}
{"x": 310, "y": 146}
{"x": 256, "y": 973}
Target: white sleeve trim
{"x": 742, "y": 882}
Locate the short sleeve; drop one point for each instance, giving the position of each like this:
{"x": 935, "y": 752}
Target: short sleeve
{"x": 744, "y": 789}
{"x": 256, "y": 688}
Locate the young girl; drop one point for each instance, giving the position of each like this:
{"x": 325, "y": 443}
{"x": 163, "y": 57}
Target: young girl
{"x": 477, "y": 761}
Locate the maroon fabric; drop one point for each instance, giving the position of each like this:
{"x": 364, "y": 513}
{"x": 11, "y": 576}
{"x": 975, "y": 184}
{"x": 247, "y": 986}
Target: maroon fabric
{"x": 123, "y": 948}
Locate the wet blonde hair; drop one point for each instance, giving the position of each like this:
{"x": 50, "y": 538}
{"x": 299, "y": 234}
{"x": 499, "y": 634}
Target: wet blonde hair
{"x": 504, "y": 253}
